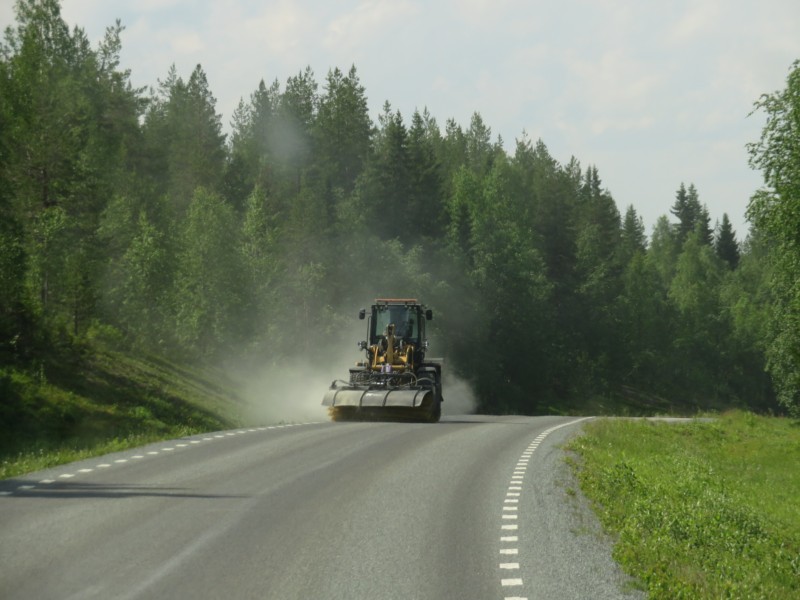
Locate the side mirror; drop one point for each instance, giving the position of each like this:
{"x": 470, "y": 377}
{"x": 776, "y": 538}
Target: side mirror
{"x": 429, "y": 314}
{"x": 362, "y": 314}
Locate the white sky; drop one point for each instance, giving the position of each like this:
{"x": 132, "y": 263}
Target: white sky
{"x": 652, "y": 92}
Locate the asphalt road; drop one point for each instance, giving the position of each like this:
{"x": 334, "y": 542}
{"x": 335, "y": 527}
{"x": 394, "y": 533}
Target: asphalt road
{"x": 472, "y": 507}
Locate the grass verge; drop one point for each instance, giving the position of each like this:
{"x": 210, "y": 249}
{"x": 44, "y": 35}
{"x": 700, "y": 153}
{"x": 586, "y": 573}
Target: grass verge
{"x": 103, "y": 402}
{"x": 699, "y": 509}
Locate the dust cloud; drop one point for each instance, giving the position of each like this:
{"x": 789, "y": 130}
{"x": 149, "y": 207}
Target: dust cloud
{"x": 292, "y": 393}
{"x": 459, "y": 397}
{"x": 291, "y": 390}
{"x": 289, "y": 393}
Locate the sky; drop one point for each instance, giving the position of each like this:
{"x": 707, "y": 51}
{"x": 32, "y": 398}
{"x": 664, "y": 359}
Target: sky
{"x": 653, "y": 93}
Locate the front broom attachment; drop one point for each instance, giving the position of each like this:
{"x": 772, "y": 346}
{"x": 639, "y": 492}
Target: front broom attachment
{"x": 380, "y": 401}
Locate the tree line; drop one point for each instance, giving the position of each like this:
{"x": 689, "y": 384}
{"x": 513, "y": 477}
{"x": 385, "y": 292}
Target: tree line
{"x": 127, "y": 216}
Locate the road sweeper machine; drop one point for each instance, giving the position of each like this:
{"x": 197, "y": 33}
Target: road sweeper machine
{"x": 395, "y": 382}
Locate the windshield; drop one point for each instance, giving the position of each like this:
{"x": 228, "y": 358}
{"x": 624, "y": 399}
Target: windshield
{"x": 405, "y": 320}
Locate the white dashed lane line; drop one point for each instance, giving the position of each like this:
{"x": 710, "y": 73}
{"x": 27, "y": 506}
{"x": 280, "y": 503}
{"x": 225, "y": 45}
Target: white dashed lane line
{"x": 122, "y": 461}
{"x": 510, "y": 512}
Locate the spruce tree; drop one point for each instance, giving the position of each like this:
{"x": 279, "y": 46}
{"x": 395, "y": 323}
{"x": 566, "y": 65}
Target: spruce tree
{"x": 725, "y": 243}
{"x": 691, "y": 215}
{"x": 633, "y": 237}
{"x": 343, "y": 129}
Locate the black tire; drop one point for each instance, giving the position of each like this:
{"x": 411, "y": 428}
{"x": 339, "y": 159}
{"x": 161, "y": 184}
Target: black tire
{"x": 436, "y": 413}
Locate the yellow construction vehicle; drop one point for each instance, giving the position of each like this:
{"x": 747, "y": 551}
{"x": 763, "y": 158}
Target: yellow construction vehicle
{"x": 395, "y": 382}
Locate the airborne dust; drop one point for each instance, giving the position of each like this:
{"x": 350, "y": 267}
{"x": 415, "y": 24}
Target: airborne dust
{"x": 291, "y": 391}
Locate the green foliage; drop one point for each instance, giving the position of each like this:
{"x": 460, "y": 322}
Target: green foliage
{"x": 776, "y": 212}
{"x": 701, "y": 509}
{"x": 12, "y": 290}
{"x": 131, "y": 219}
{"x": 68, "y": 114}
{"x": 64, "y": 412}
{"x": 183, "y": 136}
{"x": 725, "y": 243}
{"x": 691, "y": 215}
{"x": 343, "y": 129}
{"x": 208, "y": 281}
{"x": 634, "y": 239}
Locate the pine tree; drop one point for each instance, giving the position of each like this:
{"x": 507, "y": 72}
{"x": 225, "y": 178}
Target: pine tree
{"x": 70, "y": 116}
{"x": 692, "y": 216}
{"x": 386, "y": 186}
{"x": 725, "y": 243}
{"x": 633, "y": 237}
{"x": 343, "y": 129}
{"x": 647, "y": 322}
{"x": 682, "y": 210}
{"x": 479, "y": 149}
{"x": 291, "y": 138}
{"x": 599, "y": 211}
{"x": 511, "y": 278}
{"x": 184, "y": 134}
{"x": 249, "y": 163}
{"x": 664, "y": 249}
{"x": 700, "y": 332}
{"x": 425, "y": 202}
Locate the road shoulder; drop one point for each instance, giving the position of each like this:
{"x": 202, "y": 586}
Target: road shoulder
{"x": 569, "y": 555}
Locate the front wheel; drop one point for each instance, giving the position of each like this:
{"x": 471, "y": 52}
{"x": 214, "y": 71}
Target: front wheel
{"x": 436, "y": 413}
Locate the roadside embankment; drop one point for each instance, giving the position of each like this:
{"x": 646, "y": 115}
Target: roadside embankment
{"x": 104, "y": 402}
{"x": 701, "y": 509}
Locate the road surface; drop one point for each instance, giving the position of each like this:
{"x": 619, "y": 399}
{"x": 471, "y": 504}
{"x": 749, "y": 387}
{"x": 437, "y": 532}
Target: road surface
{"x": 472, "y": 507}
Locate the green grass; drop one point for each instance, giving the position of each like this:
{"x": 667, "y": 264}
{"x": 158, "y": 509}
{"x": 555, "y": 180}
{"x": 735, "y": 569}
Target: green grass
{"x": 67, "y": 410}
{"x": 702, "y": 509}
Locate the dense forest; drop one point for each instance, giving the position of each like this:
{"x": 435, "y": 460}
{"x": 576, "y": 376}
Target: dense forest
{"x": 127, "y": 217}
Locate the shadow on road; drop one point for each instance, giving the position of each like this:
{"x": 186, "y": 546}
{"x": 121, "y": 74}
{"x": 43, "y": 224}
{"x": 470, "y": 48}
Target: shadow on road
{"x": 65, "y": 490}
